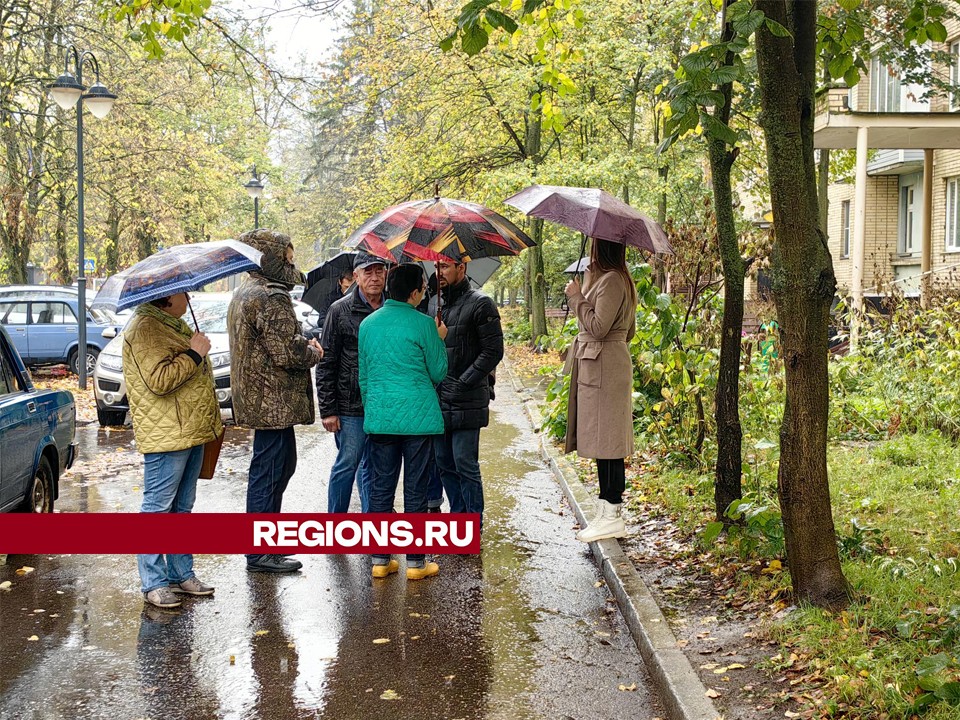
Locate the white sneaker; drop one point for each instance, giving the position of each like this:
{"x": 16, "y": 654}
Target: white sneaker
{"x": 597, "y": 514}
{"x": 608, "y": 524}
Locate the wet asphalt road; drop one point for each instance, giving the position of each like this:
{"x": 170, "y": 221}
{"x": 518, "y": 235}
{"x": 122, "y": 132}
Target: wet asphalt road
{"x": 525, "y": 630}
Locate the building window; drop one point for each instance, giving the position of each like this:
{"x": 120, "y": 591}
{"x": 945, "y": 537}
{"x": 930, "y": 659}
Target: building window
{"x": 884, "y": 87}
{"x": 909, "y": 217}
{"x": 955, "y": 75}
{"x": 845, "y": 228}
{"x": 953, "y": 215}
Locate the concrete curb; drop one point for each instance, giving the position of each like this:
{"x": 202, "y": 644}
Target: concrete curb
{"x": 681, "y": 691}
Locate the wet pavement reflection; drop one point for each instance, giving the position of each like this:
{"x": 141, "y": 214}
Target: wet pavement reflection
{"x": 525, "y": 630}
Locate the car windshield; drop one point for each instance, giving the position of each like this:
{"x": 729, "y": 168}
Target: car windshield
{"x": 104, "y": 316}
{"x": 211, "y": 315}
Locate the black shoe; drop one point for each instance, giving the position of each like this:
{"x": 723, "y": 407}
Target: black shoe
{"x": 274, "y": 564}
{"x": 434, "y": 510}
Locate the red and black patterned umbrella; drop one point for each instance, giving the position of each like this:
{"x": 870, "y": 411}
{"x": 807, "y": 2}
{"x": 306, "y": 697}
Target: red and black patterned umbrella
{"x": 438, "y": 229}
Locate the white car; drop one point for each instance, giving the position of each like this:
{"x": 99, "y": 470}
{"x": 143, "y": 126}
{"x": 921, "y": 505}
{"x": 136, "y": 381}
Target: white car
{"x": 109, "y": 387}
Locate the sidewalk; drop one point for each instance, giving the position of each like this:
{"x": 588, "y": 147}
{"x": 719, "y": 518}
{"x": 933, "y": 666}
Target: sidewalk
{"x": 683, "y": 694}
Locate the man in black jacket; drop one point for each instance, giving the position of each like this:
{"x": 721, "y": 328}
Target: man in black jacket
{"x": 474, "y": 349}
{"x": 338, "y": 383}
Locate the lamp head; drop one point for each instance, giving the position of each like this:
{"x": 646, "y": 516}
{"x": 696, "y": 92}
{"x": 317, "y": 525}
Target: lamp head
{"x": 99, "y": 100}
{"x": 65, "y": 91}
{"x": 254, "y": 187}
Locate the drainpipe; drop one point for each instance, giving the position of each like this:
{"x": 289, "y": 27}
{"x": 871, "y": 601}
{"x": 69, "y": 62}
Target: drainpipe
{"x": 859, "y": 252}
{"x": 926, "y": 252}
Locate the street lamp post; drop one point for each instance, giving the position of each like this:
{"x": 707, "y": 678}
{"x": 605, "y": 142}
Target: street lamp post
{"x": 254, "y": 188}
{"x": 69, "y": 91}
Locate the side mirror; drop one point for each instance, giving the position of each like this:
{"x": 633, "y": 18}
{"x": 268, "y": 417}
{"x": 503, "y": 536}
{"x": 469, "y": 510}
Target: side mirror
{"x": 109, "y": 333}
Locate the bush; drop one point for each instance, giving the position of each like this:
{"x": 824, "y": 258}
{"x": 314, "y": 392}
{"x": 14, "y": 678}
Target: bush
{"x": 903, "y": 377}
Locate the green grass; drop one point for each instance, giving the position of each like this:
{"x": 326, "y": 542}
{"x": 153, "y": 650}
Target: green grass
{"x": 897, "y": 512}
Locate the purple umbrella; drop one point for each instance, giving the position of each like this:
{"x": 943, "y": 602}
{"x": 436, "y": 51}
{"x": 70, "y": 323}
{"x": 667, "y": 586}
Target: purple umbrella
{"x": 595, "y": 213}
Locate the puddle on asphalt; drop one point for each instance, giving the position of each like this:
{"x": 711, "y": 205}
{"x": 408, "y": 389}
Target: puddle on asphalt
{"x": 464, "y": 645}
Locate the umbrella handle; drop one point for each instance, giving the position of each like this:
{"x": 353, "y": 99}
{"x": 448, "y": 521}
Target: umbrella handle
{"x": 193, "y": 314}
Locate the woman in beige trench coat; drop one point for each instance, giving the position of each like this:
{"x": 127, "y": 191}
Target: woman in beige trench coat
{"x": 600, "y": 410}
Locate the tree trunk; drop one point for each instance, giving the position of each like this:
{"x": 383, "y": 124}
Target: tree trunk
{"x": 663, "y": 172}
{"x": 823, "y": 189}
{"x": 16, "y": 249}
{"x": 803, "y": 286}
{"x": 146, "y": 242}
{"x": 538, "y": 283}
{"x": 61, "y": 268}
{"x": 729, "y": 469}
{"x": 111, "y": 247}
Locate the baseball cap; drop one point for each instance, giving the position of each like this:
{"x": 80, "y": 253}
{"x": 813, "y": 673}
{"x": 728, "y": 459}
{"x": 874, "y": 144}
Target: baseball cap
{"x": 366, "y": 259}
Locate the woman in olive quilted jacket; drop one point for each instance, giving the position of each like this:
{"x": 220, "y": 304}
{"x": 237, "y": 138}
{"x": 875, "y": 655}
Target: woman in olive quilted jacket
{"x": 175, "y": 411}
{"x": 402, "y": 359}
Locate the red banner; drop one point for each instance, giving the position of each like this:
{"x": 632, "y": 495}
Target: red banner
{"x": 228, "y": 533}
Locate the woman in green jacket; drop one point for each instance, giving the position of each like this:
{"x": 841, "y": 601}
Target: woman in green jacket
{"x": 175, "y": 412}
{"x": 402, "y": 360}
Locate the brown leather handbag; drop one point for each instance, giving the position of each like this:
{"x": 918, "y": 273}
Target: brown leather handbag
{"x": 211, "y": 453}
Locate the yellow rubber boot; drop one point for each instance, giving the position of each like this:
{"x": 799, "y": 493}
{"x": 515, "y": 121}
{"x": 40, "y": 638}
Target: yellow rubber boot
{"x": 381, "y": 571}
{"x": 428, "y": 570}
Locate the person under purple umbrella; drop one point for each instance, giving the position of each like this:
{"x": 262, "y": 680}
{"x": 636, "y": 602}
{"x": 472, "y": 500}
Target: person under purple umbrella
{"x": 600, "y": 404}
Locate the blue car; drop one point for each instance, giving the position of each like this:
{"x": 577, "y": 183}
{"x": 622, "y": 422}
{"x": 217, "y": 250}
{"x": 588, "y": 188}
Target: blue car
{"x": 44, "y": 328}
{"x": 37, "y": 436}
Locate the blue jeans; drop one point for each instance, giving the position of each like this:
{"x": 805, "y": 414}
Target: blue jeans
{"x": 353, "y": 460}
{"x": 386, "y": 454}
{"x": 434, "y": 486}
{"x": 169, "y": 485}
{"x": 273, "y": 463}
{"x": 458, "y": 457}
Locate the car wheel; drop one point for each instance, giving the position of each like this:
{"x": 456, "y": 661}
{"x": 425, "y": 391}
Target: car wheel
{"x": 92, "y": 354}
{"x": 111, "y": 418}
{"x": 39, "y": 499}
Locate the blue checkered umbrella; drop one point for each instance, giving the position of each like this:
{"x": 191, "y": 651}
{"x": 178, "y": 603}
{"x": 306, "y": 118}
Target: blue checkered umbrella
{"x": 182, "y": 268}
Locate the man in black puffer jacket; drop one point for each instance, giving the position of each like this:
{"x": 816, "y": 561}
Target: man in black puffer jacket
{"x": 474, "y": 349}
{"x": 338, "y": 383}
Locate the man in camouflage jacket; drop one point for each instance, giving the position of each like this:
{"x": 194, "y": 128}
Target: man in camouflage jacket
{"x": 270, "y": 363}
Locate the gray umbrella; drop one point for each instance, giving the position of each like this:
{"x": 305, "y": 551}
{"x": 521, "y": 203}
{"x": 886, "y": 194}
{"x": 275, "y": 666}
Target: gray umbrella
{"x": 596, "y": 213}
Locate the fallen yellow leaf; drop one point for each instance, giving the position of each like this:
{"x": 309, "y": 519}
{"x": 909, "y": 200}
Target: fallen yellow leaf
{"x": 33, "y": 638}
{"x": 389, "y": 695}
{"x": 6, "y": 585}
{"x": 25, "y": 570}
{"x": 381, "y": 641}
{"x": 262, "y": 632}
{"x": 711, "y": 693}
{"x": 736, "y": 666}
{"x": 628, "y": 688}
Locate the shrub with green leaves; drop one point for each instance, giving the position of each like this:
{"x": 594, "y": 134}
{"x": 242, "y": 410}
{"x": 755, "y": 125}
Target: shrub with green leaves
{"x": 903, "y": 378}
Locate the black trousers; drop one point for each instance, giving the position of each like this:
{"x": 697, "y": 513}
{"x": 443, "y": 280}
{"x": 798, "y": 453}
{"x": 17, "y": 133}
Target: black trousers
{"x": 612, "y": 480}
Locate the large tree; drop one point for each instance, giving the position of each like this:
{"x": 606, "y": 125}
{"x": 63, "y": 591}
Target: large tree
{"x": 803, "y": 285}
